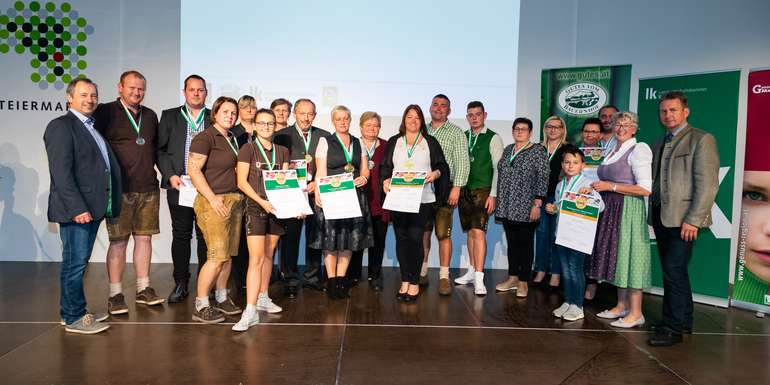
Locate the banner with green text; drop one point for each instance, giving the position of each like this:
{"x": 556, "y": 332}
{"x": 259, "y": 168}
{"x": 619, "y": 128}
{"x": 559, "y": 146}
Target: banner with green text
{"x": 713, "y": 102}
{"x": 752, "y": 269}
{"x": 575, "y": 94}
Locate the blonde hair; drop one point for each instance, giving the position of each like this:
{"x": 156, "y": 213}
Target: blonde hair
{"x": 563, "y": 137}
{"x": 369, "y": 115}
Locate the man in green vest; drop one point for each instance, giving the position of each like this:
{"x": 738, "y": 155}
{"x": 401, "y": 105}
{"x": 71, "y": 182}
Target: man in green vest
{"x": 478, "y": 196}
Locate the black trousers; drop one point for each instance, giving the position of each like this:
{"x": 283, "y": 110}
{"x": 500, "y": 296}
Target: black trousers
{"x": 408, "y": 228}
{"x": 182, "y": 222}
{"x": 675, "y": 255}
{"x": 290, "y": 255}
{"x": 521, "y": 248}
{"x": 380, "y": 232}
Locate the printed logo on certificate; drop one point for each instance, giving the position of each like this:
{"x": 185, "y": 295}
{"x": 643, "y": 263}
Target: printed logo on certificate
{"x": 578, "y": 216}
{"x": 405, "y": 191}
{"x": 339, "y": 198}
{"x": 283, "y": 192}
{"x": 594, "y": 156}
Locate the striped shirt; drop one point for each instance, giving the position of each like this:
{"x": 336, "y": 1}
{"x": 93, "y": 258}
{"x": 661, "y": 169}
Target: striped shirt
{"x": 455, "y": 146}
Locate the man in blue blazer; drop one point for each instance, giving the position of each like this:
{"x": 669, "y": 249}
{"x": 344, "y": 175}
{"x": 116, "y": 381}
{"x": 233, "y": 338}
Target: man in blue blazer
{"x": 85, "y": 188}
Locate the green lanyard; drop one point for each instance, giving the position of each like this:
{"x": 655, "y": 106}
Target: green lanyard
{"x": 193, "y": 124}
{"x": 370, "y": 151}
{"x": 137, "y": 127}
{"x": 306, "y": 141}
{"x": 270, "y": 163}
{"x": 348, "y": 156}
{"x": 571, "y": 185}
{"x": 410, "y": 151}
{"x": 516, "y": 153}
{"x": 554, "y": 152}
{"x": 472, "y": 139}
{"x": 233, "y": 143}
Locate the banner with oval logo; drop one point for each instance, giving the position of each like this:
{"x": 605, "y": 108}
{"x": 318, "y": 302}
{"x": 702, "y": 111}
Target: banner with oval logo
{"x": 575, "y": 94}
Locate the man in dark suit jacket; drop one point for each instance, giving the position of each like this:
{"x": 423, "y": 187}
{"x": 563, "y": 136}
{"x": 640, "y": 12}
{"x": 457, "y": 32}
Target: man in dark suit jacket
{"x": 685, "y": 183}
{"x": 85, "y": 188}
{"x": 176, "y": 129}
{"x": 301, "y": 139}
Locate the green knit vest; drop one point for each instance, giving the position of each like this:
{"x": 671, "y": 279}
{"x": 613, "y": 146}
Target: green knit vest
{"x": 481, "y": 166}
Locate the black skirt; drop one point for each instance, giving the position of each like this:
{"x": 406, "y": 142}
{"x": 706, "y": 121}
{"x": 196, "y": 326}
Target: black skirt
{"x": 342, "y": 234}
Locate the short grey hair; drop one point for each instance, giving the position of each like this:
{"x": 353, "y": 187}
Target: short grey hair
{"x": 72, "y": 84}
{"x": 339, "y": 108}
{"x": 625, "y": 115}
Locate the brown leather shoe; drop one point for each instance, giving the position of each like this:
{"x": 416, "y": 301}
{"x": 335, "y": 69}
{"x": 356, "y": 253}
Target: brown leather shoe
{"x": 424, "y": 281}
{"x": 444, "y": 286}
{"x": 522, "y": 289}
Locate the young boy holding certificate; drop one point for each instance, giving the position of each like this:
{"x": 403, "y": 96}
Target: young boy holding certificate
{"x": 573, "y": 184}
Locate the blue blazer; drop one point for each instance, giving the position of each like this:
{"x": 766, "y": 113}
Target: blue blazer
{"x": 79, "y": 182}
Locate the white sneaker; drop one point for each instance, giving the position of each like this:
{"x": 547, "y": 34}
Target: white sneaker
{"x": 467, "y": 277}
{"x": 266, "y": 304}
{"x": 478, "y": 284}
{"x": 559, "y": 311}
{"x": 574, "y": 313}
{"x": 247, "y": 320}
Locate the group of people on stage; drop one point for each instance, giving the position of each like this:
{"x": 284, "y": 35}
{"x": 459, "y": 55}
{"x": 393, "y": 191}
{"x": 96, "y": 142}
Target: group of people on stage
{"x": 102, "y": 160}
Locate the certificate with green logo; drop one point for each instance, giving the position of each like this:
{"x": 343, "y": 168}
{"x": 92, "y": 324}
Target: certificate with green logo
{"x": 284, "y": 193}
{"x": 338, "y": 196}
{"x": 405, "y": 191}
{"x": 578, "y": 216}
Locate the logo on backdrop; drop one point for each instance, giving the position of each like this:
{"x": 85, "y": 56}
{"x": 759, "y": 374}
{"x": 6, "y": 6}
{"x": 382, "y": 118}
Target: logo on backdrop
{"x": 760, "y": 89}
{"x": 582, "y": 98}
{"x": 52, "y": 38}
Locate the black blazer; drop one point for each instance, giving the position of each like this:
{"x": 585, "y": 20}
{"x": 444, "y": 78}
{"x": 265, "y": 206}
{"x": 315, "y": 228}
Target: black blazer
{"x": 291, "y": 139}
{"x": 79, "y": 182}
{"x": 437, "y": 162}
{"x": 172, "y": 134}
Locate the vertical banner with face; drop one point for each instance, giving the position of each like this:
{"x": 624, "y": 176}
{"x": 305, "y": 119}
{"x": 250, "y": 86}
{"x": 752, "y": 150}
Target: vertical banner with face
{"x": 713, "y": 103}
{"x": 575, "y": 94}
{"x": 752, "y": 269}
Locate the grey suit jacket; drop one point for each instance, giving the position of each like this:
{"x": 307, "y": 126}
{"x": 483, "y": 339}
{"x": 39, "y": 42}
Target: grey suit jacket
{"x": 689, "y": 177}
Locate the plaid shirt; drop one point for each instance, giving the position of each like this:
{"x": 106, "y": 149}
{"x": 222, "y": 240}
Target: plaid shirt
{"x": 455, "y": 146}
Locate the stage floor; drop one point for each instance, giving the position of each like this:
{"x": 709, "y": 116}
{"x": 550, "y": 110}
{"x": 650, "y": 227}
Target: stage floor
{"x": 369, "y": 339}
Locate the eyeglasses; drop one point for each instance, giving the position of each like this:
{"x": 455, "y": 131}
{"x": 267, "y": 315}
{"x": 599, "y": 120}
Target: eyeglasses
{"x": 626, "y": 125}
{"x": 592, "y": 132}
{"x": 265, "y": 124}
{"x": 550, "y": 127}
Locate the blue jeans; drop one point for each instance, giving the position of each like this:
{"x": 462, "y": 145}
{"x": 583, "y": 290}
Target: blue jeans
{"x": 77, "y": 244}
{"x": 573, "y": 279}
{"x": 546, "y": 258}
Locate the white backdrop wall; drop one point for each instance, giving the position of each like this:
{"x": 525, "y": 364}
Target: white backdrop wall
{"x": 128, "y": 34}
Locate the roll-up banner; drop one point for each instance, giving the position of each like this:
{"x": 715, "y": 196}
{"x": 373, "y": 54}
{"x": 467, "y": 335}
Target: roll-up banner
{"x": 713, "y": 102}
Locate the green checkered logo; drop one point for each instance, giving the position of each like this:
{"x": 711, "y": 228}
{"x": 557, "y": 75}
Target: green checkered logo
{"x": 53, "y": 35}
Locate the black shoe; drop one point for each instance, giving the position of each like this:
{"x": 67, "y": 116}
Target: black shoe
{"x": 343, "y": 285}
{"x": 352, "y": 282}
{"x": 400, "y": 296}
{"x": 315, "y": 285}
{"x": 664, "y": 337}
{"x": 331, "y": 288}
{"x": 376, "y": 284}
{"x": 179, "y": 293}
{"x": 655, "y": 327}
{"x": 290, "y": 291}
{"x": 408, "y": 298}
